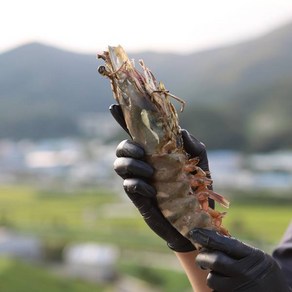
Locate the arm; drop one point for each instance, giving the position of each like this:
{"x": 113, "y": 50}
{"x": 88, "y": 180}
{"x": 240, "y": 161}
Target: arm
{"x": 197, "y": 276}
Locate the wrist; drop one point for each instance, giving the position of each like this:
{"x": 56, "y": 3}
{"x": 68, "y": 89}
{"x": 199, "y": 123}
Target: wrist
{"x": 196, "y": 276}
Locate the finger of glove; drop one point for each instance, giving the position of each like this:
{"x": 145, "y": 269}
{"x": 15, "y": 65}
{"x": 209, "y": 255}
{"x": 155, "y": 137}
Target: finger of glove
{"x": 217, "y": 261}
{"x": 129, "y": 148}
{"x": 220, "y": 283}
{"x": 130, "y": 168}
{"x": 157, "y": 222}
{"x": 137, "y": 189}
{"x": 118, "y": 115}
{"x": 196, "y": 149}
{"x": 213, "y": 240}
{"x": 250, "y": 274}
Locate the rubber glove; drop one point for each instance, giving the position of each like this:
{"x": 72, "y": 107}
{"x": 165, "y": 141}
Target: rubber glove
{"x": 131, "y": 166}
{"x": 236, "y": 266}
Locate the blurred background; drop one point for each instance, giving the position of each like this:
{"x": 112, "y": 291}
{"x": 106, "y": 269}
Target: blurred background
{"x": 65, "y": 223}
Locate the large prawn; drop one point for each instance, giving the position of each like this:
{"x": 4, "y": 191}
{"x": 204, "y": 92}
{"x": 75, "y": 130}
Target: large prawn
{"x": 182, "y": 187}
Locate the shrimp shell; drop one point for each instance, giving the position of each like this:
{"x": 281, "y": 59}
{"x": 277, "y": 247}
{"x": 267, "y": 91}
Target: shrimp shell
{"x": 183, "y": 188}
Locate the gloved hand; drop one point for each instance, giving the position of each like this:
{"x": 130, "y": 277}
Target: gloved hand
{"x": 236, "y": 266}
{"x": 130, "y": 165}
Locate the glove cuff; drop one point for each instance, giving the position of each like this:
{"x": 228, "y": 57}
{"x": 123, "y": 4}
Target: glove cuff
{"x": 273, "y": 280}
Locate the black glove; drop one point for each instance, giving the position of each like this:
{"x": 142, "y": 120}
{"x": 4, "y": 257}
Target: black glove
{"x": 130, "y": 165}
{"x": 283, "y": 254}
{"x": 236, "y": 266}
{"x": 191, "y": 144}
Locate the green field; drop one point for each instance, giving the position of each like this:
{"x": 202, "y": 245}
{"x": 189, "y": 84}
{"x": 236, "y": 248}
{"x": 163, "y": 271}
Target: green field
{"x": 16, "y": 276}
{"x": 60, "y": 217}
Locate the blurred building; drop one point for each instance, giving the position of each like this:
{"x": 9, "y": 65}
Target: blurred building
{"x": 91, "y": 261}
{"x": 25, "y": 247}
{"x": 89, "y": 162}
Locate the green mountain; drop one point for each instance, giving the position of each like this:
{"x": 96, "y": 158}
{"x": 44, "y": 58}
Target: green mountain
{"x": 238, "y": 96}
{"x": 43, "y": 90}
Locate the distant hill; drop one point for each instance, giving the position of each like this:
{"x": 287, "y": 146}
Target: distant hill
{"x": 238, "y": 96}
{"x": 41, "y": 85}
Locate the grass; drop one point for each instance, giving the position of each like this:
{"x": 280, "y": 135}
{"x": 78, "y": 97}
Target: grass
{"x": 82, "y": 216}
{"x": 260, "y": 218}
{"x": 16, "y": 276}
{"x": 89, "y": 215}
{"x": 166, "y": 280}
{"x": 77, "y": 216}
{"x": 259, "y": 224}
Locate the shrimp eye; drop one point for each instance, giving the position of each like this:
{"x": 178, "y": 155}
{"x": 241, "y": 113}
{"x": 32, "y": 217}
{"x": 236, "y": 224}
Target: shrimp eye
{"x": 101, "y": 70}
